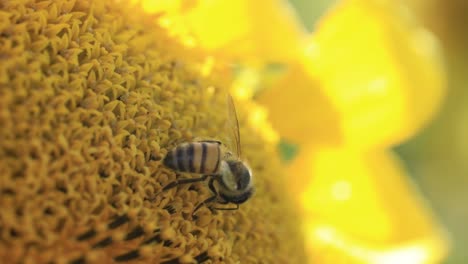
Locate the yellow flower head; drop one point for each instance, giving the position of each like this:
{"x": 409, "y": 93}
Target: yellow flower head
{"x": 93, "y": 95}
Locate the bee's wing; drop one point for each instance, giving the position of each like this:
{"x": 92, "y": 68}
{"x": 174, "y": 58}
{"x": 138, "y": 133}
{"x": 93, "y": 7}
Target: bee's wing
{"x": 233, "y": 126}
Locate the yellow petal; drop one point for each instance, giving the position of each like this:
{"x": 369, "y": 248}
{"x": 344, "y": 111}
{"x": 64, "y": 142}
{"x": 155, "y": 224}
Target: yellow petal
{"x": 361, "y": 207}
{"x": 300, "y": 111}
{"x": 380, "y": 69}
{"x": 161, "y": 6}
{"x": 265, "y": 29}
{"x": 252, "y": 30}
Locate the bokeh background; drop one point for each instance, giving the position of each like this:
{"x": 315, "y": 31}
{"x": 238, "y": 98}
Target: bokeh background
{"x": 437, "y": 157}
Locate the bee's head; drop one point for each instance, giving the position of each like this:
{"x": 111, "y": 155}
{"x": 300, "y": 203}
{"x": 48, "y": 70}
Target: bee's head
{"x": 236, "y": 182}
{"x": 241, "y": 174}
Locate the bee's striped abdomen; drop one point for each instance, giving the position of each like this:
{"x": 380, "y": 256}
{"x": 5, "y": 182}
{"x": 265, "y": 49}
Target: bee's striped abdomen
{"x": 196, "y": 157}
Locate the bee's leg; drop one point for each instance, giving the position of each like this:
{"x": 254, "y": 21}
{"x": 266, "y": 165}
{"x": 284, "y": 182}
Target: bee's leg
{"x": 184, "y": 181}
{"x": 208, "y": 200}
{"x": 226, "y": 208}
{"x": 211, "y": 185}
{"x": 179, "y": 182}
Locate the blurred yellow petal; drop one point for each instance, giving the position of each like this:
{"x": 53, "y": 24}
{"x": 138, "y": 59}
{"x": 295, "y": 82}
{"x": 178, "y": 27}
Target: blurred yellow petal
{"x": 237, "y": 28}
{"x": 362, "y": 206}
{"x": 328, "y": 245}
{"x": 380, "y": 69}
{"x": 161, "y": 6}
{"x": 251, "y": 30}
{"x": 300, "y": 111}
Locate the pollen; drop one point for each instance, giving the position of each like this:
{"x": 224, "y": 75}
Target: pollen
{"x": 93, "y": 95}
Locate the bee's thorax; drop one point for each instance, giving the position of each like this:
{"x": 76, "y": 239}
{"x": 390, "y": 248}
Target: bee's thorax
{"x": 228, "y": 179}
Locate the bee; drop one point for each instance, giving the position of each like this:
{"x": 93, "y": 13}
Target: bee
{"x": 230, "y": 178}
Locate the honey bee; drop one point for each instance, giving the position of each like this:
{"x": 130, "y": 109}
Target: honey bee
{"x": 230, "y": 178}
